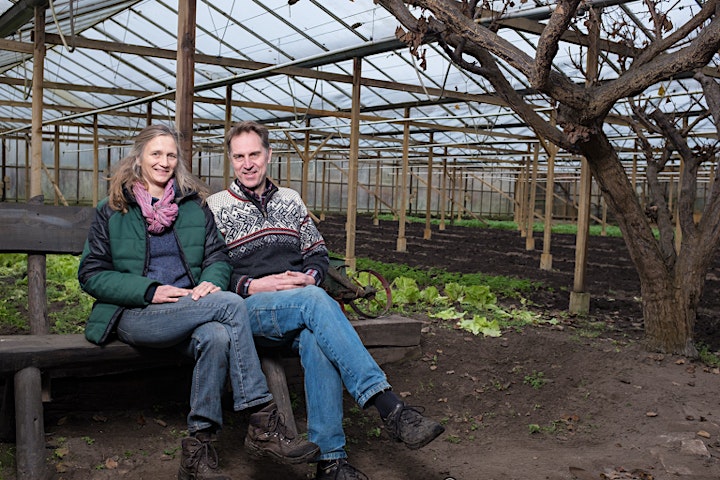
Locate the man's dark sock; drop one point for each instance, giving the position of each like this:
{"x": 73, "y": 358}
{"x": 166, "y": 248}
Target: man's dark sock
{"x": 385, "y": 402}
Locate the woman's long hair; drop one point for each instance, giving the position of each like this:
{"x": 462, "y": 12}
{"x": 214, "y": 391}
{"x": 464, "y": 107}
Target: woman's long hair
{"x": 127, "y": 171}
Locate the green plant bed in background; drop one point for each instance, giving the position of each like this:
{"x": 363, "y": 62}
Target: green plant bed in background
{"x": 570, "y": 228}
{"x": 68, "y": 305}
{"x": 502, "y": 286}
{"x": 466, "y": 301}
{"x": 470, "y": 300}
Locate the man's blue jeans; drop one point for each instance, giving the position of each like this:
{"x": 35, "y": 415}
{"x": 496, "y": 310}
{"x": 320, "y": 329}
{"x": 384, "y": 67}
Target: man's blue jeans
{"x": 213, "y": 330}
{"x": 331, "y": 354}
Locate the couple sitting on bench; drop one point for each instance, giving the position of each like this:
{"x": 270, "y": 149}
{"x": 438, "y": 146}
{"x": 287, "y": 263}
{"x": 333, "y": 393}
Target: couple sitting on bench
{"x": 164, "y": 277}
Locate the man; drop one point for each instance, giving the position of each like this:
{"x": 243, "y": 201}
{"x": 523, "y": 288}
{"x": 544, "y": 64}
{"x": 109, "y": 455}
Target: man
{"x": 279, "y": 260}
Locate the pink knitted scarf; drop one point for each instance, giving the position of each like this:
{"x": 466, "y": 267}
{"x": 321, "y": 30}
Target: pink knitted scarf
{"x": 163, "y": 213}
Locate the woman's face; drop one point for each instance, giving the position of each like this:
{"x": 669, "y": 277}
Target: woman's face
{"x": 157, "y": 163}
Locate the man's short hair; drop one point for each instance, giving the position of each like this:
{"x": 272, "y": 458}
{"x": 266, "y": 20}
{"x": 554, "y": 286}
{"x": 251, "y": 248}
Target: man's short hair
{"x": 248, "y": 126}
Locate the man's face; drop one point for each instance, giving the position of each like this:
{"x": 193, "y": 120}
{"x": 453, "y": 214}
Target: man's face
{"x": 250, "y": 160}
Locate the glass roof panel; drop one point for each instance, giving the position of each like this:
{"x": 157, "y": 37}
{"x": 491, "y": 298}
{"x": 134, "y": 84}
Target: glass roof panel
{"x": 313, "y": 40}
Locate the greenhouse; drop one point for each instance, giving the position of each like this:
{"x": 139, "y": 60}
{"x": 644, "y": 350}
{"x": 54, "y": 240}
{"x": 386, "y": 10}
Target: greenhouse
{"x": 486, "y": 231}
{"x": 109, "y": 68}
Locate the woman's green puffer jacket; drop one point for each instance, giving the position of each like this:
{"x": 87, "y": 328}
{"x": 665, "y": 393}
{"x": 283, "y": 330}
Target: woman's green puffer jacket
{"x": 115, "y": 259}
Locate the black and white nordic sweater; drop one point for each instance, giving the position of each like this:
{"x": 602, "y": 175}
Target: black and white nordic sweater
{"x": 268, "y": 236}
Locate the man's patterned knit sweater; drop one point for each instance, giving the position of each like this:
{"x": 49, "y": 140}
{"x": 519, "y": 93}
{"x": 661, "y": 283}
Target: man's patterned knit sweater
{"x": 268, "y": 235}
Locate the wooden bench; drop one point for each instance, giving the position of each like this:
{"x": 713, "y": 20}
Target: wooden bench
{"x": 28, "y": 362}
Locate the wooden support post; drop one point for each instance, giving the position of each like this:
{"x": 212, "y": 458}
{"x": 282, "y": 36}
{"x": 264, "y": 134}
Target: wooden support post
{"x": 277, "y": 383}
{"x": 228, "y": 123}
{"x": 427, "y": 234}
{"x": 29, "y": 426}
{"x": 402, "y": 209}
{"x": 458, "y": 174}
{"x": 633, "y": 172}
{"x": 351, "y": 221}
{"x": 678, "y": 228}
{"x": 108, "y": 168}
{"x": 37, "y": 299}
{"x": 185, "y": 92}
{"x": 56, "y": 162}
{"x": 3, "y": 176}
{"x": 443, "y": 182}
{"x": 288, "y": 170}
{"x": 453, "y": 187}
{"x": 579, "y": 299}
{"x": 671, "y": 191}
{"x": 530, "y": 237}
{"x": 305, "y": 157}
{"x": 323, "y": 187}
{"x": 37, "y": 295}
{"x": 523, "y": 176}
{"x": 378, "y": 193}
{"x": 96, "y": 162}
{"x": 37, "y": 104}
{"x": 546, "y": 257}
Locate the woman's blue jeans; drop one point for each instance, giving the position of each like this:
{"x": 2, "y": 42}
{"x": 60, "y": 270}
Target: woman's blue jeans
{"x": 331, "y": 354}
{"x": 213, "y": 330}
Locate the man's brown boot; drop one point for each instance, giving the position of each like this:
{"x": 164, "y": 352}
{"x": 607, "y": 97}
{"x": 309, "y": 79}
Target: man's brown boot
{"x": 199, "y": 460}
{"x": 268, "y": 435}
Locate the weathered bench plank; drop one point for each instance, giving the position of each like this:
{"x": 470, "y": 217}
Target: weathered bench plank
{"x": 66, "y": 351}
{"x": 50, "y": 352}
{"x": 44, "y": 229}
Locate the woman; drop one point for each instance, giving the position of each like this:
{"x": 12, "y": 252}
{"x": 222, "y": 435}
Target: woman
{"x": 157, "y": 267}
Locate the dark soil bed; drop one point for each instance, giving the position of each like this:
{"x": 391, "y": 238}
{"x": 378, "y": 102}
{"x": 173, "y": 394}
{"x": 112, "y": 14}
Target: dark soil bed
{"x": 610, "y": 276}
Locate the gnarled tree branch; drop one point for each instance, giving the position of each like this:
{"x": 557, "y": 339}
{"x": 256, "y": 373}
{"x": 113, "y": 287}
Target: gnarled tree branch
{"x": 549, "y": 40}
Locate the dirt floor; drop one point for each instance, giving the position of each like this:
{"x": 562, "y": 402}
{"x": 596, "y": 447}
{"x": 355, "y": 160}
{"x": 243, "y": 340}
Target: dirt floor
{"x": 566, "y": 401}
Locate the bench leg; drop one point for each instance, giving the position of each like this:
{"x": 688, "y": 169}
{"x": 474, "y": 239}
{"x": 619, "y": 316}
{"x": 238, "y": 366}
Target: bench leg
{"x": 277, "y": 383}
{"x": 29, "y": 426}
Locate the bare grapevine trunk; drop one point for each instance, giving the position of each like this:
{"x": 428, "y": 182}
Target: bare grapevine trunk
{"x": 670, "y": 292}
{"x": 669, "y": 313}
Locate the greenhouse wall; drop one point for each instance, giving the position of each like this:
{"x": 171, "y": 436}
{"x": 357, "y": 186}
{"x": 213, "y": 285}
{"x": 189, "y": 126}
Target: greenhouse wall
{"x": 466, "y": 191}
